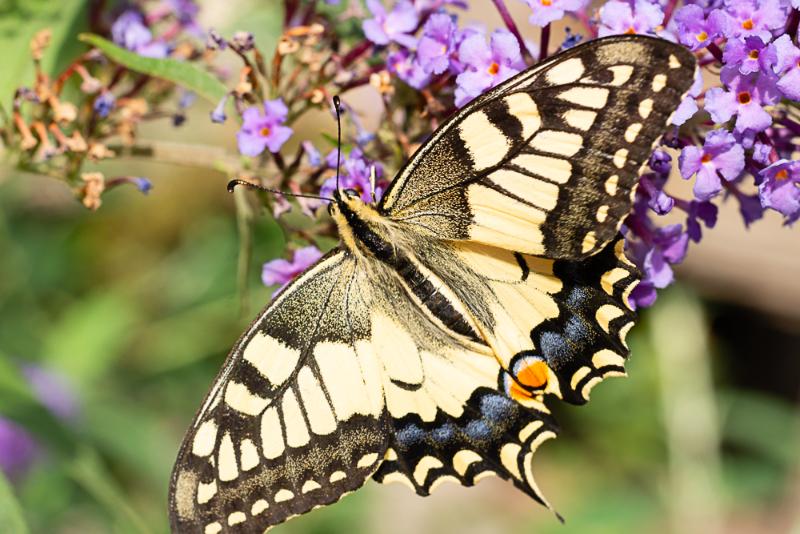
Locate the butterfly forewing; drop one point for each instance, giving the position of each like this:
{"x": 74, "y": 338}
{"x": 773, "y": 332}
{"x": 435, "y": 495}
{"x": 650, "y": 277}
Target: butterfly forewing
{"x": 546, "y": 163}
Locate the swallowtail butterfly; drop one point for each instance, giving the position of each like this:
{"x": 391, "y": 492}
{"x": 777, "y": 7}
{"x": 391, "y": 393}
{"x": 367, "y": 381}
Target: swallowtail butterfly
{"x": 420, "y": 350}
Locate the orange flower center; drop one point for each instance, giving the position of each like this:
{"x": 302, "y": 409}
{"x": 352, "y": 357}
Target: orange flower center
{"x": 748, "y": 24}
{"x": 706, "y": 158}
{"x": 494, "y": 68}
{"x": 782, "y": 174}
{"x": 630, "y": 30}
{"x": 264, "y": 131}
{"x": 702, "y": 36}
{"x": 753, "y": 54}
{"x": 547, "y": 2}
{"x": 744, "y": 97}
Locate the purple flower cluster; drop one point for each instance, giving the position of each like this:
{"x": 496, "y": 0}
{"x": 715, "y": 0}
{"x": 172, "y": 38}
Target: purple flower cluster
{"x": 744, "y": 153}
{"x": 262, "y": 128}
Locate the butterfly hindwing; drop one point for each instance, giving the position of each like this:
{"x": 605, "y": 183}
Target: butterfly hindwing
{"x": 547, "y": 162}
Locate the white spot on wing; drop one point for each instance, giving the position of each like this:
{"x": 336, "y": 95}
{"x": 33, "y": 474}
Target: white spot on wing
{"x": 259, "y": 506}
{"x": 336, "y": 476}
{"x": 274, "y": 360}
{"x": 238, "y": 397}
{"x": 226, "y": 463}
{"x": 645, "y": 107}
{"x": 236, "y": 517}
{"x": 607, "y": 357}
{"x": 673, "y": 62}
{"x": 508, "y": 457}
{"x": 622, "y": 73}
{"x": 294, "y": 422}
{"x": 529, "y": 429}
{"x": 463, "y": 459}
{"x": 425, "y": 464}
{"x": 522, "y": 106}
{"x": 283, "y": 495}
{"x": 611, "y": 185}
{"x": 659, "y": 82}
{"x": 620, "y": 157}
{"x": 249, "y": 456}
{"x": 485, "y": 142}
{"x": 542, "y": 194}
{"x": 632, "y": 132}
{"x": 590, "y": 97}
{"x": 205, "y": 438}
{"x": 310, "y": 485}
{"x": 205, "y": 492}
{"x": 565, "y": 72}
{"x": 213, "y": 528}
{"x": 320, "y": 416}
{"x": 580, "y": 118}
{"x": 271, "y": 434}
{"x": 589, "y": 242}
{"x": 367, "y": 460}
{"x": 579, "y": 375}
{"x": 605, "y": 314}
{"x": 556, "y": 169}
{"x": 602, "y": 214}
{"x": 562, "y": 143}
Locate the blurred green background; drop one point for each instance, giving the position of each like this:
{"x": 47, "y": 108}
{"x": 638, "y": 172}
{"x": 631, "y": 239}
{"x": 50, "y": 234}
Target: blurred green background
{"x": 135, "y": 307}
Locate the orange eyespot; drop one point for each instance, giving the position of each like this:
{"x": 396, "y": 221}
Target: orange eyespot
{"x": 531, "y": 376}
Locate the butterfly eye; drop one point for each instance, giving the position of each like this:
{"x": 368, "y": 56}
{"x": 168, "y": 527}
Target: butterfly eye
{"x": 351, "y": 193}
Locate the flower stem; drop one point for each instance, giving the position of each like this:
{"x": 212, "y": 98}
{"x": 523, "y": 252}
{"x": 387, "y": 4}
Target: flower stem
{"x": 512, "y": 27}
{"x": 791, "y": 25}
{"x": 715, "y": 51}
{"x": 544, "y": 41}
{"x": 669, "y": 11}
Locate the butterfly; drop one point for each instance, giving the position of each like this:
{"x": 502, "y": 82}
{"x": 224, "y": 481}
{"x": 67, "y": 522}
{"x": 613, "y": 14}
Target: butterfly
{"x": 490, "y": 275}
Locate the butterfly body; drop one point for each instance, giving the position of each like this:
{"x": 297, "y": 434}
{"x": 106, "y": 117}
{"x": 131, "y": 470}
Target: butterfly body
{"x": 490, "y": 275}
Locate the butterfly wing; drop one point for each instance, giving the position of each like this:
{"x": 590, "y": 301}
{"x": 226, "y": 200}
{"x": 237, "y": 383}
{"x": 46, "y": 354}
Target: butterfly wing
{"x": 294, "y": 420}
{"x": 326, "y": 385}
{"x": 546, "y": 163}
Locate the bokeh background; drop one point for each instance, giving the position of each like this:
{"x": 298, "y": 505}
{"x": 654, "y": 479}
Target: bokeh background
{"x": 122, "y": 317}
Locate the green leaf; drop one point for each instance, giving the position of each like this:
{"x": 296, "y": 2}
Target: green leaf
{"x": 20, "y": 21}
{"x": 88, "y": 471}
{"x": 90, "y": 336}
{"x": 10, "y": 512}
{"x": 181, "y": 73}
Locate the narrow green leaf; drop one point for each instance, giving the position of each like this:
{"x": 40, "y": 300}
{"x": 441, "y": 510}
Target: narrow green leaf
{"x": 88, "y": 471}
{"x": 10, "y": 511}
{"x": 179, "y": 72}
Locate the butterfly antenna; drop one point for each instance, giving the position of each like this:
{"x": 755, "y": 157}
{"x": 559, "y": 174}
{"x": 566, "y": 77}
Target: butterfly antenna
{"x": 233, "y": 183}
{"x": 337, "y": 106}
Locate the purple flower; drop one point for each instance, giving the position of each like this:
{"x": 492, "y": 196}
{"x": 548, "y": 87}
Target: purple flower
{"x": 282, "y": 271}
{"x": 393, "y": 26}
{"x": 486, "y": 65}
{"x": 664, "y": 247}
{"x": 405, "y": 66}
{"x": 699, "y": 211}
{"x": 688, "y": 106}
{"x": 130, "y": 31}
{"x": 754, "y": 18}
{"x": 18, "y": 449}
{"x": 218, "y": 113}
{"x": 436, "y": 45}
{"x": 750, "y": 54}
{"x": 780, "y": 188}
{"x": 103, "y": 104}
{"x": 641, "y": 16}
{"x": 695, "y": 30}
{"x": 356, "y": 175}
{"x": 263, "y": 128}
{"x": 721, "y": 156}
{"x": 53, "y": 391}
{"x": 657, "y": 200}
{"x": 788, "y": 67}
{"x": 546, "y": 11}
{"x": 312, "y": 154}
{"x": 744, "y": 99}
